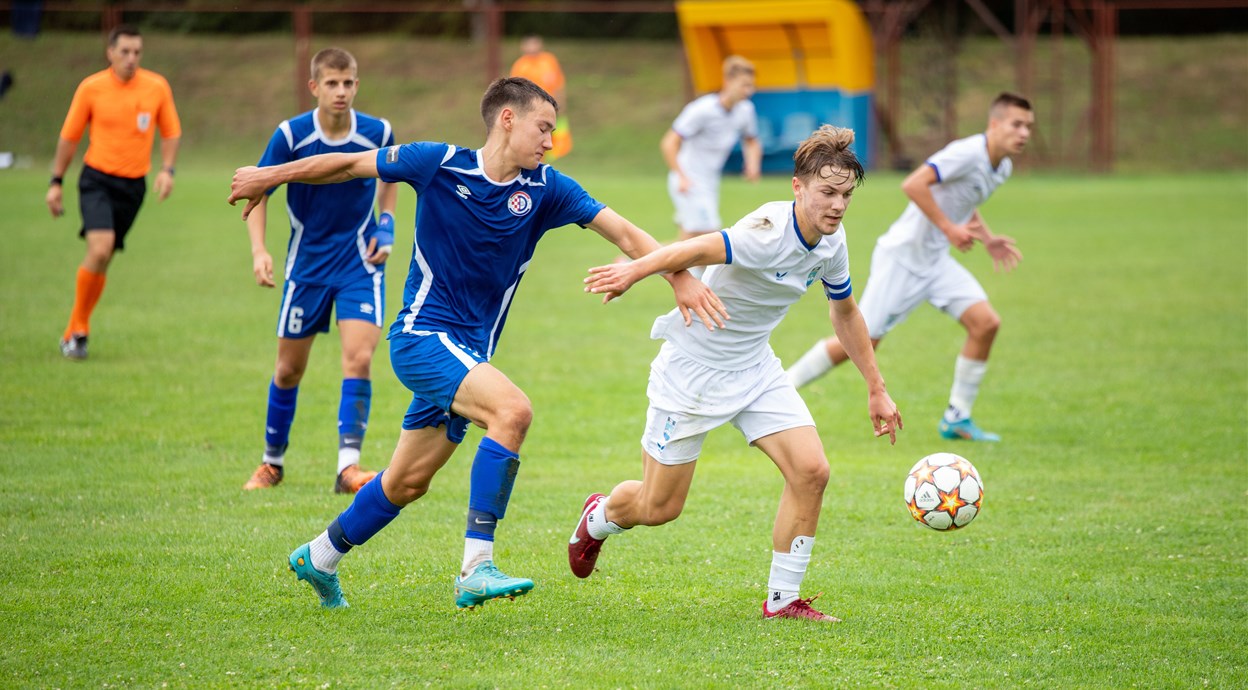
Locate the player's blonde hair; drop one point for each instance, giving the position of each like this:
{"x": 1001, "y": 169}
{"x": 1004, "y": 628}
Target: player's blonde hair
{"x": 335, "y": 59}
{"x": 827, "y": 148}
{"x": 736, "y": 66}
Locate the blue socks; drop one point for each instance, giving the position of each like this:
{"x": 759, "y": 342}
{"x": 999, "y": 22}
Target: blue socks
{"x": 493, "y": 476}
{"x": 367, "y": 515}
{"x": 357, "y": 396}
{"x": 277, "y": 425}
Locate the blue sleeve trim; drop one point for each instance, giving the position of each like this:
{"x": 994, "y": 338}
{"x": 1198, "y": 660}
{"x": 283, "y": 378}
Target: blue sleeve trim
{"x": 727, "y": 248}
{"x": 933, "y": 167}
{"x": 838, "y": 292}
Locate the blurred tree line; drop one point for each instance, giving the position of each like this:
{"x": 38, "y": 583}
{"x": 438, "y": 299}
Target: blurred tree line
{"x": 449, "y": 18}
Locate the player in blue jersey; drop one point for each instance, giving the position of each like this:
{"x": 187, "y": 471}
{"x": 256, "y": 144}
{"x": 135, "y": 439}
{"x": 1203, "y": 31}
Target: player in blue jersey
{"x": 478, "y": 220}
{"x": 334, "y": 263}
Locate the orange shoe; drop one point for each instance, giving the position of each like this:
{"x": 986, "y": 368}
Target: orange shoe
{"x": 352, "y": 479}
{"x": 266, "y": 476}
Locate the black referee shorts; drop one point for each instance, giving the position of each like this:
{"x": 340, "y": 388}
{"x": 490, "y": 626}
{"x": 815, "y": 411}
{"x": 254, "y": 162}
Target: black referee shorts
{"x": 108, "y": 201}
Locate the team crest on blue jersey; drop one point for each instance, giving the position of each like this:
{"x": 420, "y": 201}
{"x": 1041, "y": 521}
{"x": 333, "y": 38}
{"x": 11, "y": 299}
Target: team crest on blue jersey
{"x": 519, "y": 203}
{"x": 144, "y": 121}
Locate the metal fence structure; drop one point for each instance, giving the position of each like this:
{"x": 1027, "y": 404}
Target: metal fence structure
{"x": 1094, "y": 22}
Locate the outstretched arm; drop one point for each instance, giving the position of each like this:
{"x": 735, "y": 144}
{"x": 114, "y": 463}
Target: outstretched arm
{"x": 251, "y": 183}
{"x": 692, "y": 295}
{"x": 851, "y": 331}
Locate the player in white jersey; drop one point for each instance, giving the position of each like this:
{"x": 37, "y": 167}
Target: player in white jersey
{"x": 479, "y": 216}
{"x": 911, "y": 263}
{"x": 698, "y": 144}
{"x": 335, "y": 262}
{"x": 703, "y": 380}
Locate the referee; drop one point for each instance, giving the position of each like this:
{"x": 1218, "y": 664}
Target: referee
{"x": 123, "y": 105}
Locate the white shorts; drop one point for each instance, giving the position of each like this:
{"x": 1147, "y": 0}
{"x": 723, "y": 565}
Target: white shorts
{"x": 688, "y": 399}
{"x": 697, "y": 210}
{"x": 893, "y": 291}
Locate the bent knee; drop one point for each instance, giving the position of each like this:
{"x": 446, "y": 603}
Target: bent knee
{"x": 811, "y": 476}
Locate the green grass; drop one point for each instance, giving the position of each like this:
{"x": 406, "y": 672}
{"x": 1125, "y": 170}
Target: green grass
{"x": 1110, "y": 553}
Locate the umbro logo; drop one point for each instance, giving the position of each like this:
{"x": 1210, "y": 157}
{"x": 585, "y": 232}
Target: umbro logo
{"x": 462, "y": 191}
{"x": 366, "y": 308}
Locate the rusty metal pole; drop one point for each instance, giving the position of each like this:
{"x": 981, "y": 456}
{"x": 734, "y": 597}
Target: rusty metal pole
{"x": 493, "y": 42}
{"x": 302, "y": 17}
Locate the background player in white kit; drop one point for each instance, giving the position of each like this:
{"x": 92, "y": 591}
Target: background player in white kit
{"x": 911, "y": 262}
{"x": 703, "y": 379}
{"x": 699, "y": 142}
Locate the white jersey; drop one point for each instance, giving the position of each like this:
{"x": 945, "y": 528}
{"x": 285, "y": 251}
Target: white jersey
{"x": 965, "y": 179}
{"x": 708, "y": 133}
{"x": 769, "y": 266}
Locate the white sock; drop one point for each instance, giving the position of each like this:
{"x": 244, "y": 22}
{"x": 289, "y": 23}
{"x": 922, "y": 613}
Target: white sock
{"x": 967, "y": 373}
{"x": 275, "y": 460}
{"x": 787, "y": 572}
{"x": 324, "y": 556}
{"x": 597, "y": 524}
{"x": 812, "y": 365}
{"x": 347, "y": 457}
{"x": 476, "y": 552}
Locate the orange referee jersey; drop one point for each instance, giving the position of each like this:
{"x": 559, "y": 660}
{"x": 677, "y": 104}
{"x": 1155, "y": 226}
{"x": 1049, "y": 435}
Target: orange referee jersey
{"x": 541, "y": 69}
{"x": 123, "y": 117}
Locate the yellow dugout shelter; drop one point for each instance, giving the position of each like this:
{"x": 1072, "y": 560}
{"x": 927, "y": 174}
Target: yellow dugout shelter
{"x": 814, "y": 59}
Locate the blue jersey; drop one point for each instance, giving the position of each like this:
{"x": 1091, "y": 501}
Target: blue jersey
{"x": 474, "y": 237}
{"x": 328, "y": 223}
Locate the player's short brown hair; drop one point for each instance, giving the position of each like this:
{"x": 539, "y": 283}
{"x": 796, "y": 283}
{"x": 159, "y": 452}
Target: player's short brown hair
{"x": 827, "y": 148}
{"x": 735, "y": 66}
{"x": 122, "y": 30}
{"x": 335, "y": 59}
{"x": 517, "y": 93}
{"x": 1004, "y": 100}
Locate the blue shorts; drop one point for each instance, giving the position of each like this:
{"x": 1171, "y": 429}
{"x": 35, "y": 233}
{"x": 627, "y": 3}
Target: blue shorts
{"x": 306, "y": 308}
{"x": 432, "y": 366}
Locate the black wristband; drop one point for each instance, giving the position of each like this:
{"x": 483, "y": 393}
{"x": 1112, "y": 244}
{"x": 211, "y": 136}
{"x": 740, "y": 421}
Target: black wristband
{"x": 168, "y": 169}
{"x": 57, "y": 180}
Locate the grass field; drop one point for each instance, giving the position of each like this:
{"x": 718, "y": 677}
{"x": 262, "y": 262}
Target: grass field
{"x": 1110, "y": 553}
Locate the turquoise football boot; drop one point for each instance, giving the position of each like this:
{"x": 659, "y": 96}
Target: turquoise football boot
{"x": 965, "y": 430}
{"x": 487, "y": 582}
{"x": 325, "y": 584}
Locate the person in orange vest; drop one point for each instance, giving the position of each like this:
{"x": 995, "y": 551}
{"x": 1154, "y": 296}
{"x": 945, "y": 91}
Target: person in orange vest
{"x": 542, "y": 68}
{"x": 123, "y": 105}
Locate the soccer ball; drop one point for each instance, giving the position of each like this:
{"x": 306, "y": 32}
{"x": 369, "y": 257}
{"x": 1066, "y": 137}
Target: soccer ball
{"x": 943, "y": 491}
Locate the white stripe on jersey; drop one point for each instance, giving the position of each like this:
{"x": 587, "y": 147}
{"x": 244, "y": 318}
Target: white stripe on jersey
{"x": 362, "y": 140}
{"x": 290, "y": 137}
{"x": 281, "y": 321}
{"x": 362, "y": 246}
{"x": 316, "y": 134}
{"x": 426, "y": 284}
{"x": 502, "y": 308}
{"x": 297, "y": 226}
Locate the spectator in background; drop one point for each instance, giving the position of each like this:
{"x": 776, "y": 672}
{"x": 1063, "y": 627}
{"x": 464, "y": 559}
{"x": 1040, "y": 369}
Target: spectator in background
{"x": 124, "y": 105}
{"x": 541, "y": 67}
{"x": 699, "y": 142}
